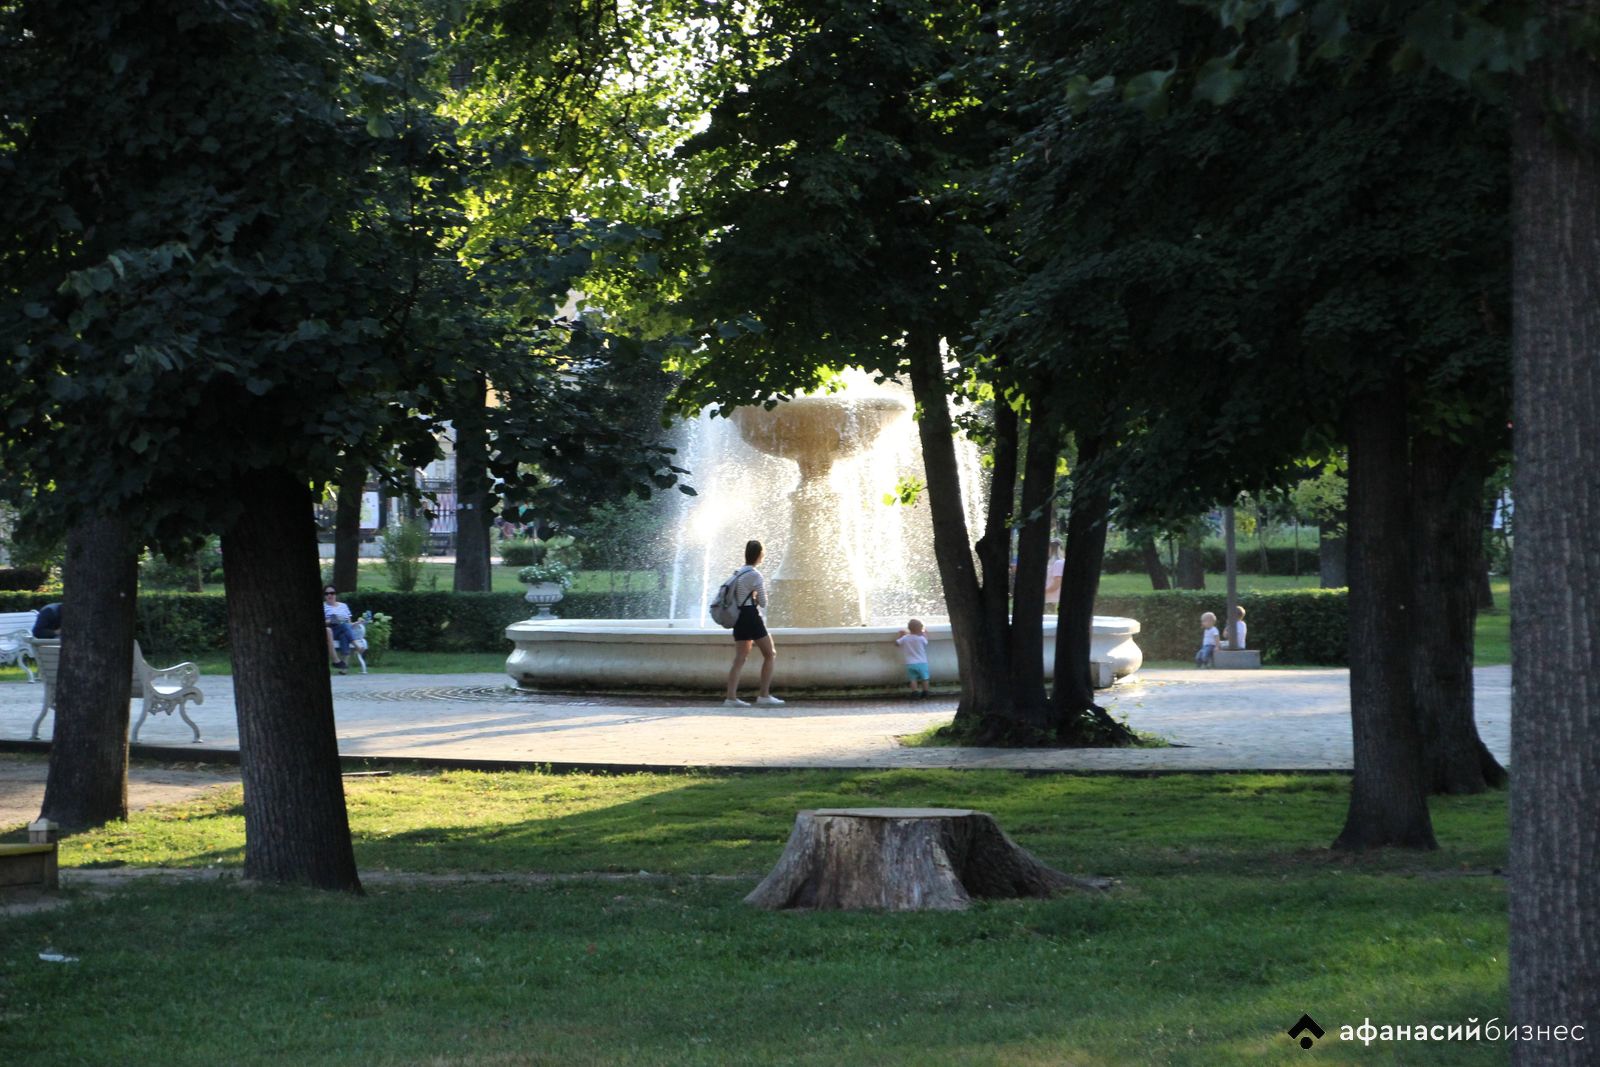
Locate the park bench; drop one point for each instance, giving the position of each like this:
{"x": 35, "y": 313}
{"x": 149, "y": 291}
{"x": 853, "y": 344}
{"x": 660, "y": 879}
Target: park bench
{"x": 16, "y": 631}
{"x": 160, "y": 689}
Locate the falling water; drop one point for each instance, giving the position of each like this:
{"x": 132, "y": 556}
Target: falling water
{"x": 743, "y": 493}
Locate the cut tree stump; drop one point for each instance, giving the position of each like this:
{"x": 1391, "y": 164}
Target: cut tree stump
{"x": 904, "y": 859}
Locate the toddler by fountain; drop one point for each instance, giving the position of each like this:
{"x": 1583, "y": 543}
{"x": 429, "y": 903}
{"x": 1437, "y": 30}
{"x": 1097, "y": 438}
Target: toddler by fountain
{"x": 913, "y": 642}
{"x": 1207, "y": 654}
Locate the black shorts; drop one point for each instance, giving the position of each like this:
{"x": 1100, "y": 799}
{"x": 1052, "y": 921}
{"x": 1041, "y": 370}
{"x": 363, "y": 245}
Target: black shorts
{"x": 751, "y": 626}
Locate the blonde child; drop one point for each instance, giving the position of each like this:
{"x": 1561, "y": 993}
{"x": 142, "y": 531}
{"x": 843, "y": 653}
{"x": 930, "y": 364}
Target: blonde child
{"x": 913, "y": 644}
{"x": 1240, "y": 627}
{"x": 1206, "y": 656}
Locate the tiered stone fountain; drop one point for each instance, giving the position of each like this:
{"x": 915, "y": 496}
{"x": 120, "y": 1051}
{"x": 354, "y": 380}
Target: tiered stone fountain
{"x": 821, "y": 624}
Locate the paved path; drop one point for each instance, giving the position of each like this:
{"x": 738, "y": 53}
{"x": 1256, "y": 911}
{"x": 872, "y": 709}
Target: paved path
{"x": 1217, "y": 720}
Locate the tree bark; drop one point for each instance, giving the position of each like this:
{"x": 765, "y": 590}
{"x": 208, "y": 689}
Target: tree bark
{"x": 472, "y": 571}
{"x": 1076, "y": 718}
{"x": 347, "y": 530}
{"x": 87, "y": 781}
{"x": 994, "y": 547}
{"x": 296, "y": 827}
{"x": 1388, "y": 796}
{"x": 986, "y": 700}
{"x": 1033, "y": 554}
{"x": 1191, "y": 569}
{"x": 904, "y": 859}
{"x": 1555, "y": 642}
{"x": 1446, "y": 495}
{"x": 1160, "y": 581}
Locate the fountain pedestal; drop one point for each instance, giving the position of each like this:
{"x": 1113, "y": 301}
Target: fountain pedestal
{"x": 816, "y": 584}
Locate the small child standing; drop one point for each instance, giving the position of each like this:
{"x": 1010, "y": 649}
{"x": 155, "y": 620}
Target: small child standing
{"x": 914, "y": 647}
{"x": 1208, "y": 641}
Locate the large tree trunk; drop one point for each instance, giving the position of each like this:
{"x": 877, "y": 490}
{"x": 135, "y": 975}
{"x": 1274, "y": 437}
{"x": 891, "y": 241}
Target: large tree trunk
{"x": 1555, "y": 642}
{"x": 472, "y": 570}
{"x": 347, "y": 530}
{"x": 1446, "y": 494}
{"x": 87, "y": 782}
{"x": 1033, "y": 556}
{"x": 1388, "y": 796}
{"x": 296, "y": 828}
{"x": 1077, "y": 719}
{"x": 986, "y": 698}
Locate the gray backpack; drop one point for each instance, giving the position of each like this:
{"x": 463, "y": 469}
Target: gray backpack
{"x": 722, "y": 609}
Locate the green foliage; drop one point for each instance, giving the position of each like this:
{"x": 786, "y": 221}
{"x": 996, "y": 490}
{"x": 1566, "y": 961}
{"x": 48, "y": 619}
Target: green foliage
{"x": 379, "y": 634}
{"x": 521, "y": 553}
{"x": 1128, "y": 559}
{"x": 182, "y": 569}
{"x": 403, "y": 546}
{"x": 1301, "y": 626}
{"x": 551, "y": 570}
{"x": 22, "y": 578}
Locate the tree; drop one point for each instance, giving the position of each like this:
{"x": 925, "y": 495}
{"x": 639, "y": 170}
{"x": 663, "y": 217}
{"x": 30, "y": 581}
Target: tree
{"x": 87, "y": 783}
{"x": 1555, "y": 646}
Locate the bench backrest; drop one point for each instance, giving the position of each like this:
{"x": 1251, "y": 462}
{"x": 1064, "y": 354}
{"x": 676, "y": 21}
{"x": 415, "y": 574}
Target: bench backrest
{"x": 13, "y": 624}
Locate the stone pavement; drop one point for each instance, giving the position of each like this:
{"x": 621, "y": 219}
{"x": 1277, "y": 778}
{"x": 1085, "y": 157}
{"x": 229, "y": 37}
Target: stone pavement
{"x": 1216, "y": 720}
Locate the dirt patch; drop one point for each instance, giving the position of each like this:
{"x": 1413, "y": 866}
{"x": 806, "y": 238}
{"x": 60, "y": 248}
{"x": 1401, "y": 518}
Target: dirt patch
{"x": 22, "y": 786}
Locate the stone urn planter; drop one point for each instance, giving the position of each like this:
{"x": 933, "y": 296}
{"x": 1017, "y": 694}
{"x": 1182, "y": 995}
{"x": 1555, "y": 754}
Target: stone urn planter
{"x": 542, "y": 595}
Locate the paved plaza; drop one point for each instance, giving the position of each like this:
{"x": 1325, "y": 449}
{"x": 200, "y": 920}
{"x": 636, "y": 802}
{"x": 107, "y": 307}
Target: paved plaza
{"x": 1289, "y": 720}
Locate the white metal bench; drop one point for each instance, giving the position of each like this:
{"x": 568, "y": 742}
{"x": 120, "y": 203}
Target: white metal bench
{"x": 16, "y": 637}
{"x": 160, "y": 689}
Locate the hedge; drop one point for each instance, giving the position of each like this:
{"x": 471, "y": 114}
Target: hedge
{"x": 1288, "y": 626}
{"x": 188, "y": 624}
{"x": 1280, "y": 559}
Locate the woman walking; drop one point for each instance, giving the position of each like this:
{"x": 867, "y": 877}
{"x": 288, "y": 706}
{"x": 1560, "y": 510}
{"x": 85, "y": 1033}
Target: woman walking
{"x": 750, "y": 593}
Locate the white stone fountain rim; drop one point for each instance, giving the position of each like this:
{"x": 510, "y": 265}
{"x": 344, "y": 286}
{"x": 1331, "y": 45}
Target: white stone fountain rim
{"x": 682, "y": 629}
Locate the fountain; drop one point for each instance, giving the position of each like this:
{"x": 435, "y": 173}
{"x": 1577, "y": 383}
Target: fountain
{"x": 843, "y": 573}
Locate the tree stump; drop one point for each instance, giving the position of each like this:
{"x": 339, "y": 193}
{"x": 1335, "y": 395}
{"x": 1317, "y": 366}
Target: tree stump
{"x": 904, "y": 859}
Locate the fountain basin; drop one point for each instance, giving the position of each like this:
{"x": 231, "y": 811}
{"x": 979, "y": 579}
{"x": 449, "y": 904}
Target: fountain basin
{"x": 611, "y": 654}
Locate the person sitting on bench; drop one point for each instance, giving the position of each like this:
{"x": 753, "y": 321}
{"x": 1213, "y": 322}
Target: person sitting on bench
{"x": 336, "y": 617}
{"x": 48, "y": 625}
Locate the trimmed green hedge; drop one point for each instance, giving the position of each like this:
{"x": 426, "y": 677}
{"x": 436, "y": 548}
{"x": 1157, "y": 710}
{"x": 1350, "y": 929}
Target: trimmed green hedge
{"x": 1288, "y": 626}
{"x": 191, "y": 623}
{"x": 1280, "y": 559}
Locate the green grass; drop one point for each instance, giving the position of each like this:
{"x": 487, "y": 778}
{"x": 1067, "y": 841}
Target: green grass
{"x": 1230, "y": 921}
{"x": 1134, "y": 584}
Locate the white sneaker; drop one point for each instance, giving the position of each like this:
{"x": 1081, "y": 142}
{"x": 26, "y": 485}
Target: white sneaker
{"x": 735, "y": 702}
{"x": 768, "y": 700}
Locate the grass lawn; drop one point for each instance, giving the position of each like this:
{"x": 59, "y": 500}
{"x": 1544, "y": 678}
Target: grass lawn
{"x": 1231, "y": 920}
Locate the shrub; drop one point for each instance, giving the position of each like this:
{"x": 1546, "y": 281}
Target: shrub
{"x": 522, "y": 553}
{"x": 1288, "y": 626}
{"x": 25, "y": 578}
{"x": 181, "y": 625}
{"x": 379, "y": 631}
{"x": 1281, "y": 559}
{"x": 402, "y": 553}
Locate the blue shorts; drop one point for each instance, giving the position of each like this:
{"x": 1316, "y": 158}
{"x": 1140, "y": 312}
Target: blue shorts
{"x": 917, "y": 672}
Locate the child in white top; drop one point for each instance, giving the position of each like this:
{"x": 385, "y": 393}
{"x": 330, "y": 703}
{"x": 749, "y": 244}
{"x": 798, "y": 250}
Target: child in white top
{"x": 1238, "y": 624}
{"x": 1206, "y": 656}
{"x": 913, "y": 644}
